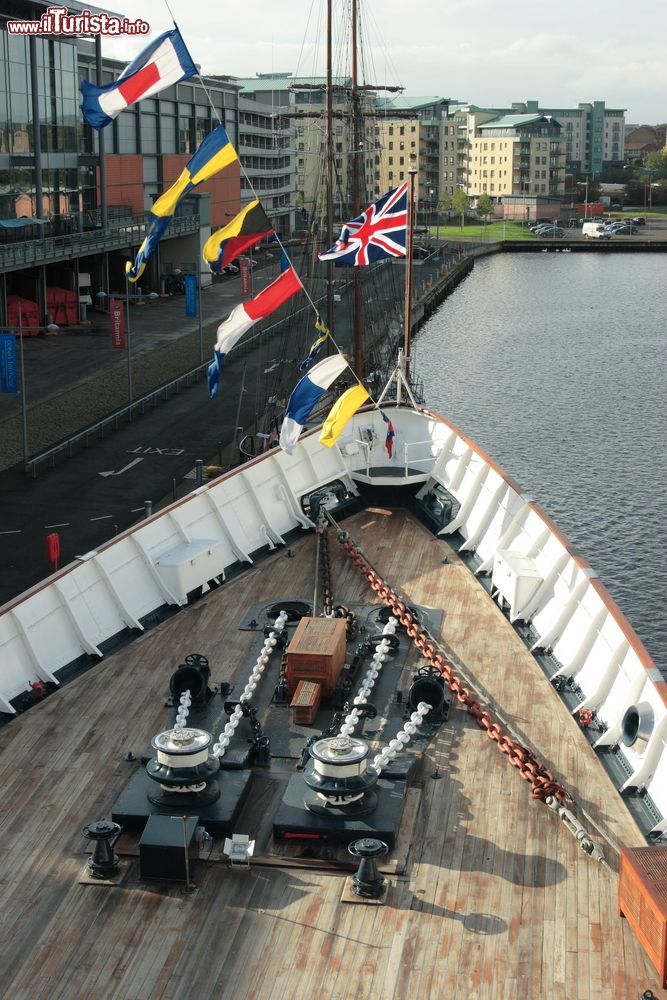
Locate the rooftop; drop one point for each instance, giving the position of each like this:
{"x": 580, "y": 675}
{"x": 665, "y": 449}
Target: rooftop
{"x": 517, "y": 121}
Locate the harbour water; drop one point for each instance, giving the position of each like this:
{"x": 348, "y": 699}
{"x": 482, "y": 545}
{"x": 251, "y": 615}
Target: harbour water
{"x": 554, "y": 363}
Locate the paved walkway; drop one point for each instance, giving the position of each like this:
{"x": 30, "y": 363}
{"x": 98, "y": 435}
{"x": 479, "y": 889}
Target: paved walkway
{"x": 102, "y": 490}
{"x": 164, "y": 344}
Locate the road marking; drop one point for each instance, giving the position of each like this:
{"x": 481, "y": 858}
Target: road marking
{"x": 155, "y": 451}
{"x": 65, "y": 524}
{"x": 124, "y": 469}
{"x": 103, "y": 517}
{"x": 135, "y": 510}
{"x": 17, "y": 532}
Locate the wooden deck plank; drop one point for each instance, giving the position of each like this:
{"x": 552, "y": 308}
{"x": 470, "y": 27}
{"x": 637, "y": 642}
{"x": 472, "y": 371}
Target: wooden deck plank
{"x": 497, "y": 897}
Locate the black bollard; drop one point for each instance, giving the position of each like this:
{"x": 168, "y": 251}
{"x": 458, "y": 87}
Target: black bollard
{"x": 104, "y": 863}
{"x": 367, "y": 882}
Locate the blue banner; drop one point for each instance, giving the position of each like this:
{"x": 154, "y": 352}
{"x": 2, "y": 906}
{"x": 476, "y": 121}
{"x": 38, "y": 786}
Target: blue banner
{"x": 190, "y": 282}
{"x": 285, "y": 262}
{"x": 8, "y": 372}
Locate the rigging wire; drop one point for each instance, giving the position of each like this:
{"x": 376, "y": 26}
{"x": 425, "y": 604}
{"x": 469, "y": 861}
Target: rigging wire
{"x": 341, "y": 50}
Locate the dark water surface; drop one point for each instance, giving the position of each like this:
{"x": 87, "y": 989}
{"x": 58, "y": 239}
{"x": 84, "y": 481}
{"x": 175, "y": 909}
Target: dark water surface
{"x": 555, "y": 364}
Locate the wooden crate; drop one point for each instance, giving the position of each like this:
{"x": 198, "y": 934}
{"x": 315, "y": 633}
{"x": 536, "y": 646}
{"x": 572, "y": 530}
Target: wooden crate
{"x": 316, "y": 653}
{"x": 642, "y": 899}
{"x": 306, "y": 702}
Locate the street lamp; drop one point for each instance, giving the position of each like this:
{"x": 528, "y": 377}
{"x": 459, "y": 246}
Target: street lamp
{"x": 20, "y": 330}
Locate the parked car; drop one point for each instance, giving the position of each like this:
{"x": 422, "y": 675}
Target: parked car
{"x": 550, "y": 232}
{"x": 595, "y": 231}
{"x": 231, "y": 269}
{"x": 626, "y": 229}
{"x": 251, "y": 261}
{"x": 639, "y": 220}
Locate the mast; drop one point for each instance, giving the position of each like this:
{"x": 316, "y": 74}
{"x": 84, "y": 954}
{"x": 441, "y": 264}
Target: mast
{"x": 407, "y": 322}
{"x": 357, "y": 153}
{"x": 329, "y": 166}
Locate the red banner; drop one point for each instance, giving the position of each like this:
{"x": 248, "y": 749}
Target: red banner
{"x": 117, "y": 324}
{"x": 245, "y": 277}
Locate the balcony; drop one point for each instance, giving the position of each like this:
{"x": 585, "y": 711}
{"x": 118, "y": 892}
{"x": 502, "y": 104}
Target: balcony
{"x": 15, "y": 256}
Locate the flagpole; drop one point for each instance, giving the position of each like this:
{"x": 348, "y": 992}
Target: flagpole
{"x": 412, "y": 173}
{"x": 128, "y": 336}
{"x": 24, "y": 408}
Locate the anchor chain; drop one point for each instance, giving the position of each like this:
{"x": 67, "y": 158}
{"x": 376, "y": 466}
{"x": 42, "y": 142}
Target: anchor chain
{"x": 324, "y": 568}
{"x": 543, "y": 784}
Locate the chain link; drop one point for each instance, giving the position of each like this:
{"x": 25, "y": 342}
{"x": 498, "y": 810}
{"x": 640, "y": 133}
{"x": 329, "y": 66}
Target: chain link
{"x": 325, "y": 572}
{"x": 543, "y": 783}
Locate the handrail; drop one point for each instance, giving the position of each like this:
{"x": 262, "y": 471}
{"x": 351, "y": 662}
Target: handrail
{"x": 415, "y": 461}
{"x": 59, "y": 247}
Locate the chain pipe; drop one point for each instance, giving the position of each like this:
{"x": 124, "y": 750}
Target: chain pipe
{"x": 543, "y": 783}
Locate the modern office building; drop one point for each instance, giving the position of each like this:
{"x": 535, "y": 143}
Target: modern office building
{"x": 266, "y": 136}
{"x": 73, "y": 200}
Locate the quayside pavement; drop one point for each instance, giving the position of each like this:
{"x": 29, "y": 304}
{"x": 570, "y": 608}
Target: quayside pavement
{"x": 73, "y": 377}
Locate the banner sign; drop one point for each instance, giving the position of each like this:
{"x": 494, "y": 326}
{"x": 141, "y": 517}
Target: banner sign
{"x": 8, "y": 362}
{"x": 245, "y": 276}
{"x": 190, "y": 282}
{"x": 117, "y": 324}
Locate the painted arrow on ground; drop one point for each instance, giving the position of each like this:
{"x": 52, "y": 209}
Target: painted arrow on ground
{"x": 124, "y": 469}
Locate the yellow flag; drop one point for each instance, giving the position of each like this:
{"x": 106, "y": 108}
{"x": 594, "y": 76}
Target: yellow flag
{"x": 340, "y": 413}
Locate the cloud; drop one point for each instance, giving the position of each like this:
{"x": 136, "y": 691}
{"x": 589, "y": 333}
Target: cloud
{"x": 477, "y": 50}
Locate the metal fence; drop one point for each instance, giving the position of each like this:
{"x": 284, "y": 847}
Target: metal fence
{"x": 98, "y": 430}
{"x": 126, "y": 233}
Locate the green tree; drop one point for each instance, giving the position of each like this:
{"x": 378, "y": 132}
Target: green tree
{"x": 461, "y": 204}
{"x": 444, "y": 205}
{"x": 656, "y": 164}
{"x": 484, "y": 207}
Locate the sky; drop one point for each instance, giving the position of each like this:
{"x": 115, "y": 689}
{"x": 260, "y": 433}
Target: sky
{"x": 482, "y": 52}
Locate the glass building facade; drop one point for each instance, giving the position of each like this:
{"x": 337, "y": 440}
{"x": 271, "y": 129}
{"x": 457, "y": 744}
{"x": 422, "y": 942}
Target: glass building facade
{"x": 55, "y": 69}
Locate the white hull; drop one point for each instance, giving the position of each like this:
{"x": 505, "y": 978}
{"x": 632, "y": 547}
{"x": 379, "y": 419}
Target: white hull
{"x": 534, "y": 571}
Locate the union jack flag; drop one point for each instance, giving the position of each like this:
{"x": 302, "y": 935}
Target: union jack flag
{"x": 377, "y": 233}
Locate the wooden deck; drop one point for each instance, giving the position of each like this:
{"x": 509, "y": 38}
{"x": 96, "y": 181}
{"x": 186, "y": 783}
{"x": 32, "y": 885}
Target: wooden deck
{"x": 490, "y": 898}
